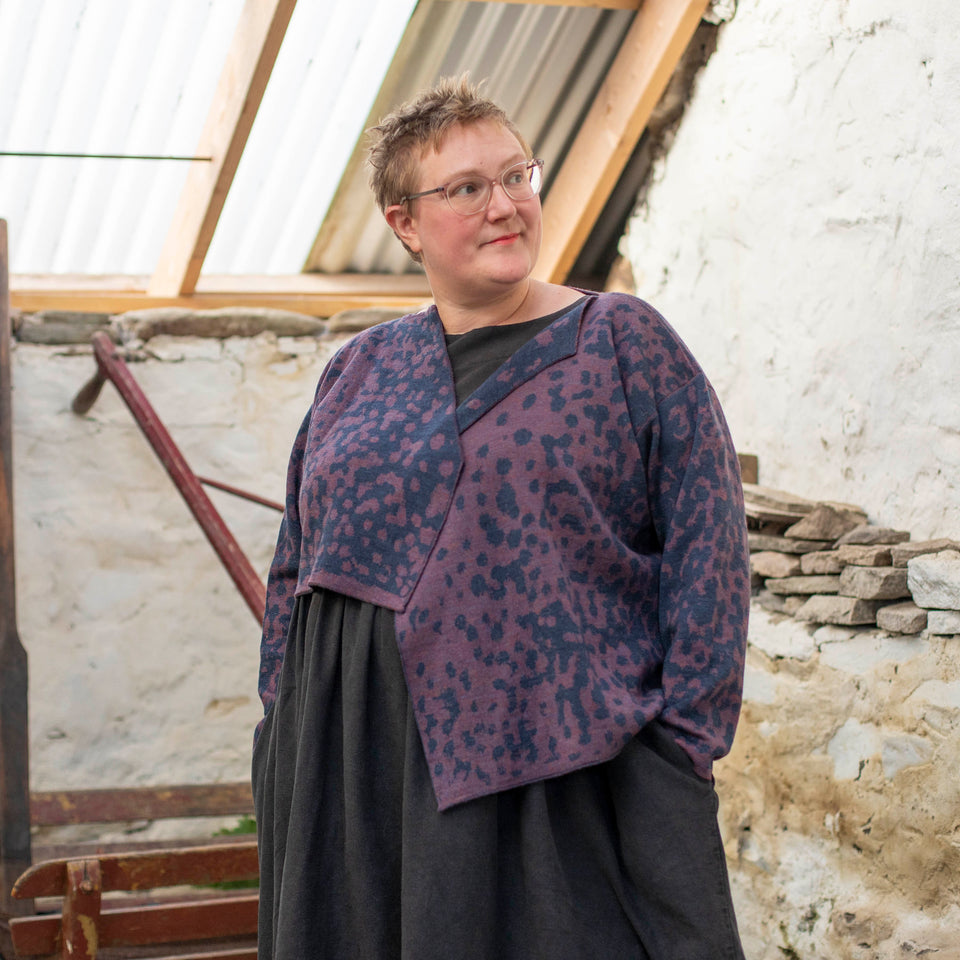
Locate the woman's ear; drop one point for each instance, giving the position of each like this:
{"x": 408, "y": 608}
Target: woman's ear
{"x": 403, "y": 224}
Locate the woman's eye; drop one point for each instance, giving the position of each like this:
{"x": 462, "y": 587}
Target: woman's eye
{"x": 516, "y": 177}
{"x": 464, "y": 188}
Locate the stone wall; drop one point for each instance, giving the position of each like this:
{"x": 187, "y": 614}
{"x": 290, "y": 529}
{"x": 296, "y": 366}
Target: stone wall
{"x": 840, "y": 809}
{"x": 802, "y": 234}
{"x": 839, "y": 802}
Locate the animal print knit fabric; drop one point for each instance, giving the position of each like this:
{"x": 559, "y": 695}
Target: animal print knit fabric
{"x": 565, "y": 550}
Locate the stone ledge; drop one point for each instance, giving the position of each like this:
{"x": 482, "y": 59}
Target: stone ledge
{"x": 865, "y": 575}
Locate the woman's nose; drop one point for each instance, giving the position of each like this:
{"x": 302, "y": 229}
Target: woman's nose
{"x": 500, "y": 204}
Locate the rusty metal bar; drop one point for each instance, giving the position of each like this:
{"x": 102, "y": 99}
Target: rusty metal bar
{"x": 87, "y": 396}
{"x": 14, "y": 755}
{"x": 110, "y": 366}
{"x": 237, "y": 492}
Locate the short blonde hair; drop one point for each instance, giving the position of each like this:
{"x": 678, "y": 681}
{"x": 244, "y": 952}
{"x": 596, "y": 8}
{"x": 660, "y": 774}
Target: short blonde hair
{"x": 398, "y": 142}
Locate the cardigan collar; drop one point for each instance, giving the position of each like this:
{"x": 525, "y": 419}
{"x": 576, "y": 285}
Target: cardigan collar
{"x": 555, "y": 343}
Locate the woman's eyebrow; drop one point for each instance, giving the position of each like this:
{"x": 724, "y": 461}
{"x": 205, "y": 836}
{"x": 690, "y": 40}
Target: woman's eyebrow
{"x": 477, "y": 172}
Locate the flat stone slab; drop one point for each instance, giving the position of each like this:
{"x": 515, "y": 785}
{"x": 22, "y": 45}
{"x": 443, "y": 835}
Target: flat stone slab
{"x": 770, "y": 601}
{"x": 779, "y": 500}
{"x": 772, "y": 563}
{"x": 874, "y": 583}
{"x": 765, "y": 541}
{"x": 903, "y": 553}
{"x": 774, "y": 506}
{"x": 826, "y": 522}
{"x": 877, "y": 555}
{"x": 904, "y": 617}
{"x": 943, "y": 622}
{"x": 820, "y": 561}
{"x": 843, "y": 611}
{"x": 219, "y": 323}
{"x": 858, "y": 650}
{"x": 868, "y": 535}
{"x": 803, "y": 585}
{"x": 792, "y": 603}
{"x": 63, "y": 327}
{"x": 934, "y": 580}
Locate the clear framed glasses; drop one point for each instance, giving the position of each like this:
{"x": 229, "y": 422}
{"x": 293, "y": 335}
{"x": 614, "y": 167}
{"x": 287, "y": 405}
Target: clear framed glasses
{"x": 469, "y": 195}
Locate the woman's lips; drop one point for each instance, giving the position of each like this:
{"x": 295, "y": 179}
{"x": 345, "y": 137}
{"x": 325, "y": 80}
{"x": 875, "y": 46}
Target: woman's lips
{"x": 506, "y": 238}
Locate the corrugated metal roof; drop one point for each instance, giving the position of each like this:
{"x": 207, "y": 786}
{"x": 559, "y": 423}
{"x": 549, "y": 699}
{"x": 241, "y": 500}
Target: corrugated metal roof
{"x": 543, "y": 64}
{"x": 111, "y": 76}
{"x": 115, "y": 76}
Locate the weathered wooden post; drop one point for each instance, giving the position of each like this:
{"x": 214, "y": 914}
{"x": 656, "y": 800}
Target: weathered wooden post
{"x": 14, "y": 765}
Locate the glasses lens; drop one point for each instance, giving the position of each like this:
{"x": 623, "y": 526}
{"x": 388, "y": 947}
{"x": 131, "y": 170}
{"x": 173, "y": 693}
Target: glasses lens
{"x": 471, "y": 194}
{"x": 468, "y": 195}
{"x": 522, "y": 180}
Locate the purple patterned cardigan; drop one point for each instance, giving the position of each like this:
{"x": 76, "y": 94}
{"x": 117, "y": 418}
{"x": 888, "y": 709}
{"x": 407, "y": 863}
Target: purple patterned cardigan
{"x": 565, "y": 552}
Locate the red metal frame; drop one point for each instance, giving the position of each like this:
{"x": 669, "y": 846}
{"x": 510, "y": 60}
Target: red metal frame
{"x": 110, "y": 366}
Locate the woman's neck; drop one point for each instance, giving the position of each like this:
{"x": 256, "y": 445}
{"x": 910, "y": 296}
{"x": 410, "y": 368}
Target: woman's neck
{"x": 532, "y": 299}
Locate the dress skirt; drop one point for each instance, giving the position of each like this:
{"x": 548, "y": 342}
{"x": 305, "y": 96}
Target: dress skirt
{"x": 620, "y": 861}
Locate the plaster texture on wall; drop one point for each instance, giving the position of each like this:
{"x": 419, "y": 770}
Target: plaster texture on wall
{"x": 803, "y": 235}
{"x": 143, "y": 656}
{"x": 840, "y": 807}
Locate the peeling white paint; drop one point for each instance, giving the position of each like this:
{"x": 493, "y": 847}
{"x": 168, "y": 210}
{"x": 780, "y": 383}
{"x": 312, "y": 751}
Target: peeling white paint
{"x": 852, "y": 747}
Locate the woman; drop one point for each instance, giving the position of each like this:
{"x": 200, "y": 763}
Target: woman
{"x": 506, "y": 617}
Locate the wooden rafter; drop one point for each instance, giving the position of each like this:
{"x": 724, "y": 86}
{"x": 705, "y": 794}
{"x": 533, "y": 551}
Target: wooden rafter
{"x": 253, "y": 52}
{"x": 318, "y": 295}
{"x": 637, "y": 78}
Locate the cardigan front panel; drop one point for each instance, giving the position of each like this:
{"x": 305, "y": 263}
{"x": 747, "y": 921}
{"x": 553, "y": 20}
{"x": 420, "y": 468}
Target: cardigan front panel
{"x": 372, "y": 472}
{"x": 381, "y": 460}
{"x": 530, "y": 644}
{"x": 536, "y": 641}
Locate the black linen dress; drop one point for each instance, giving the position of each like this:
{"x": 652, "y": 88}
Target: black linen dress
{"x": 621, "y": 861}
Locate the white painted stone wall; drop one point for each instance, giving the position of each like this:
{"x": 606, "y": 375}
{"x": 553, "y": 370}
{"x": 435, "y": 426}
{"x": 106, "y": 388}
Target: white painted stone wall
{"x": 840, "y": 807}
{"x": 142, "y": 654}
{"x": 803, "y": 235}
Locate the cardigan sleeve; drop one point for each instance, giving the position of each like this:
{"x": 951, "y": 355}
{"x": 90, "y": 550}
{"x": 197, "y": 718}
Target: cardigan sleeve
{"x": 282, "y": 579}
{"x": 696, "y": 500}
{"x": 284, "y": 572}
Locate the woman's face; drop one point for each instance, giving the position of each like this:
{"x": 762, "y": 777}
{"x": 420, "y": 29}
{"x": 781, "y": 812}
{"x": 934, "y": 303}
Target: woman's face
{"x": 469, "y": 258}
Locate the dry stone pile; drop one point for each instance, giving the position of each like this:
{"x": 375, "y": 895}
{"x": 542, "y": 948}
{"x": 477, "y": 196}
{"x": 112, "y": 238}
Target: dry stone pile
{"x": 823, "y": 562}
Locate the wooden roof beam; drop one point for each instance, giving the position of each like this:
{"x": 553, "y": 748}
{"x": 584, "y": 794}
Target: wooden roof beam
{"x": 314, "y": 294}
{"x": 651, "y": 50}
{"x": 249, "y": 63}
